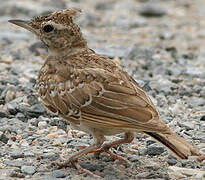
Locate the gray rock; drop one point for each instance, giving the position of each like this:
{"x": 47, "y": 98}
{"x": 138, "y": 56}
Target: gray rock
{"x": 202, "y": 118}
{"x": 186, "y": 125}
{"x": 21, "y": 117}
{"x": 32, "y": 99}
{"x": 36, "y": 110}
{"x": 3, "y": 138}
{"x": 16, "y": 173}
{"x": 199, "y": 136}
{"x": 29, "y": 154}
{"x": 15, "y": 163}
{"x": 15, "y": 154}
{"x": 59, "y": 174}
{"x": 154, "y": 149}
{"x": 34, "y": 122}
{"x": 152, "y": 10}
{"x": 28, "y": 170}
{"x": 92, "y": 167}
{"x": 150, "y": 141}
{"x": 172, "y": 162}
{"x": 3, "y": 113}
{"x": 11, "y": 80}
{"x": 12, "y": 107}
{"x": 50, "y": 156}
{"x": 152, "y": 166}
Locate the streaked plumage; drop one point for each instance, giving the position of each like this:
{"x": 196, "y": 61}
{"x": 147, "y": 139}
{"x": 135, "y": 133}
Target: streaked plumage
{"x": 92, "y": 92}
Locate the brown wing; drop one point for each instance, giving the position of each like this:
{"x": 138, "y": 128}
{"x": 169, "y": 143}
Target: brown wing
{"x": 101, "y": 98}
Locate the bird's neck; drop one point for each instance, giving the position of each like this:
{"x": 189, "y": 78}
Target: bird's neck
{"x": 76, "y": 47}
{"x": 66, "y": 52}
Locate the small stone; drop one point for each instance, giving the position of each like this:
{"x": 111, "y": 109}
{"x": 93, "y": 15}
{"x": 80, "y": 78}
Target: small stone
{"x": 42, "y": 124}
{"x": 21, "y": 117}
{"x": 154, "y": 150}
{"x": 28, "y": 170}
{"x": 202, "y": 118}
{"x": 152, "y": 10}
{"x": 16, "y": 154}
{"x": 12, "y": 108}
{"x": 59, "y": 174}
{"x": 16, "y": 174}
{"x": 2, "y": 113}
{"x": 34, "y": 122}
{"x": 3, "y": 138}
{"x": 172, "y": 162}
{"x": 29, "y": 154}
{"x": 152, "y": 166}
{"x": 53, "y": 135}
{"x": 150, "y": 141}
{"x": 50, "y": 156}
{"x": 187, "y": 125}
{"x": 32, "y": 100}
{"x": 14, "y": 163}
{"x": 92, "y": 167}
{"x": 36, "y": 110}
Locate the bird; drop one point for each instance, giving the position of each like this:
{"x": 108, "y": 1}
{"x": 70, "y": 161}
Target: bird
{"x": 92, "y": 92}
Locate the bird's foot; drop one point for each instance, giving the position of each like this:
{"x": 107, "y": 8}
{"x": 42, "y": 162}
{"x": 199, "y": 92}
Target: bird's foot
{"x": 112, "y": 155}
{"x": 76, "y": 165}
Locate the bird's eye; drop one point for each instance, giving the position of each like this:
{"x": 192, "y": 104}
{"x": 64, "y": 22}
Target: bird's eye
{"x": 48, "y": 28}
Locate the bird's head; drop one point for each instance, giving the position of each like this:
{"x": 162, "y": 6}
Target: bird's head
{"x": 56, "y": 30}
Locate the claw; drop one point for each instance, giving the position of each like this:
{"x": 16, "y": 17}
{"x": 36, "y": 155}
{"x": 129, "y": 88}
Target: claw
{"x": 77, "y": 166}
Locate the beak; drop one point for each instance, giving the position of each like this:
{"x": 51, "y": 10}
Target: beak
{"x": 24, "y": 24}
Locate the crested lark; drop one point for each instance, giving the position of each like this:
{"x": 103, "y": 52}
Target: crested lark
{"x": 92, "y": 92}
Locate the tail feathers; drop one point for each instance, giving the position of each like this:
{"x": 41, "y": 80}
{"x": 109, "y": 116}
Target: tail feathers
{"x": 177, "y": 145}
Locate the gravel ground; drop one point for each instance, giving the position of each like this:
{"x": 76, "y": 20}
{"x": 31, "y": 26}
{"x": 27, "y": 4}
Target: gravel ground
{"x": 159, "y": 43}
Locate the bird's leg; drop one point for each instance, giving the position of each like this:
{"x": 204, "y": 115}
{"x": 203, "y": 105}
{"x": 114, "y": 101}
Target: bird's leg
{"x": 73, "y": 159}
{"x": 129, "y": 136}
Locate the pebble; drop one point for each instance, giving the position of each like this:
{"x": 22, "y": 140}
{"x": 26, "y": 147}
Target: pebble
{"x": 202, "y": 118}
{"x": 59, "y": 174}
{"x": 21, "y": 117}
{"x": 152, "y": 10}
{"x": 15, "y": 154}
{"x": 3, "y": 113}
{"x": 154, "y": 149}
{"x": 15, "y": 163}
{"x": 51, "y": 156}
{"x": 152, "y": 166}
{"x": 187, "y": 125}
{"x": 16, "y": 174}
{"x": 42, "y": 124}
{"x": 29, "y": 154}
{"x": 3, "y": 138}
{"x": 172, "y": 162}
{"x": 36, "y": 110}
{"x": 28, "y": 170}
